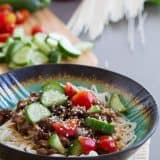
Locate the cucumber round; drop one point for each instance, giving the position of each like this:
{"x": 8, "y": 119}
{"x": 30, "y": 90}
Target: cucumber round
{"x": 53, "y": 98}
{"x": 51, "y": 42}
{"x": 36, "y": 58}
{"x": 55, "y": 57}
{"x": 84, "y": 46}
{"x": 35, "y": 112}
{"x": 56, "y": 36}
{"x": 13, "y": 48}
{"x": 22, "y": 56}
{"x": 52, "y": 85}
{"x": 68, "y": 49}
{"x": 39, "y": 40}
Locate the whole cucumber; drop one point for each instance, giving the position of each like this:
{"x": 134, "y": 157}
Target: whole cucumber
{"x": 154, "y": 1}
{"x": 31, "y": 5}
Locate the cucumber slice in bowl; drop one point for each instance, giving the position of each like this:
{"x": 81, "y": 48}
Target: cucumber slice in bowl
{"x": 55, "y": 142}
{"x": 75, "y": 148}
{"x": 52, "y": 85}
{"x": 98, "y": 125}
{"x": 116, "y": 103}
{"x": 94, "y": 109}
{"x": 68, "y": 49}
{"x": 53, "y": 98}
{"x": 35, "y": 112}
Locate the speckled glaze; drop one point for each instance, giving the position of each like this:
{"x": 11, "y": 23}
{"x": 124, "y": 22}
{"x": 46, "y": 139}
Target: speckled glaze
{"x": 142, "y": 108}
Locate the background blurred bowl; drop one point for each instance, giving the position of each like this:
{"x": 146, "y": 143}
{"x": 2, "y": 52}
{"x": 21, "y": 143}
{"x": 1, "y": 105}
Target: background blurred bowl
{"x": 142, "y": 107}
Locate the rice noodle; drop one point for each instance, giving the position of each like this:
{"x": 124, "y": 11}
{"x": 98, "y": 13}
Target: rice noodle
{"x": 125, "y": 131}
{"x": 10, "y": 137}
{"x": 124, "y": 135}
{"x": 92, "y": 16}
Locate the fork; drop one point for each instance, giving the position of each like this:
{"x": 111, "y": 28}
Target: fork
{"x": 11, "y": 91}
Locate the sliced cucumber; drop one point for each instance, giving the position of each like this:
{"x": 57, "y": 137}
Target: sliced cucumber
{"x": 13, "y": 48}
{"x": 19, "y": 32}
{"x": 5, "y": 47}
{"x": 22, "y": 56}
{"x": 35, "y": 112}
{"x": 84, "y": 46}
{"x": 55, "y": 56}
{"x": 94, "y": 109}
{"x": 98, "y": 125}
{"x": 68, "y": 49}
{"x": 104, "y": 97}
{"x": 39, "y": 40}
{"x": 53, "y": 98}
{"x": 51, "y": 42}
{"x": 52, "y": 85}
{"x": 55, "y": 142}
{"x": 116, "y": 103}
{"x": 56, "y": 36}
{"x": 75, "y": 149}
{"x": 2, "y": 54}
{"x": 37, "y": 57}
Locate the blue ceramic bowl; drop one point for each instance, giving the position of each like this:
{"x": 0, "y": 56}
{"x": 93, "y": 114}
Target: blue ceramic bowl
{"x": 142, "y": 108}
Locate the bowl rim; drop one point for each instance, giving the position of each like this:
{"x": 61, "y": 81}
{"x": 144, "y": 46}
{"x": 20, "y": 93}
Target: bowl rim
{"x": 130, "y": 148}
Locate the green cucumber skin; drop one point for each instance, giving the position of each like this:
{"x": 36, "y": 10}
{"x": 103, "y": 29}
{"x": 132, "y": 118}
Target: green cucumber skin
{"x": 65, "y": 51}
{"x": 55, "y": 57}
{"x": 100, "y": 126}
{"x": 52, "y": 85}
{"x": 39, "y": 41}
{"x": 75, "y": 148}
{"x": 44, "y": 52}
{"x": 12, "y": 49}
{"x": 54, "y": 142}
{"x": 116, "y": 103}
{"x": 154, "y": 1}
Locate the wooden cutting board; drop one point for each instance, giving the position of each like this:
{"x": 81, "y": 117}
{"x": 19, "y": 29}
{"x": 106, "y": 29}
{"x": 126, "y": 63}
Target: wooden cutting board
{"x": 51, "y": 23}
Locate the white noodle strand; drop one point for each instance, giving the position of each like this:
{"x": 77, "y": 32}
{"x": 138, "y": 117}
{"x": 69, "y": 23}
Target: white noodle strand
{"x": 92, "y": 16}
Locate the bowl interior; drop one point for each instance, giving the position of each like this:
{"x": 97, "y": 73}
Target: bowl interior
{"x": 141, "y": 106}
